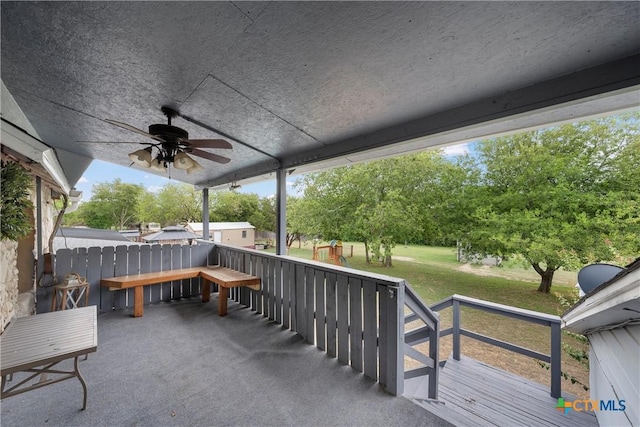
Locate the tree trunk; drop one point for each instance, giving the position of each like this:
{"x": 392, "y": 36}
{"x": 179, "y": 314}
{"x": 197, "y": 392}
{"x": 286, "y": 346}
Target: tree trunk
{"x": 387, "y": 261}
{"x": 546, "y": 278}
{"x": 366, "y": 252}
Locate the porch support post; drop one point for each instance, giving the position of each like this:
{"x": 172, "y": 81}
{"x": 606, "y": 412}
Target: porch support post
{"x": 205, "y": 213}
{"x": 281, "y": 212}
{"x": 39, "y": 248}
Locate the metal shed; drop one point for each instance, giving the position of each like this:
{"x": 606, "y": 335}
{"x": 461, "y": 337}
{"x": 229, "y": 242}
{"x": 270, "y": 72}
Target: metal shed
{"x": 230, "y": 233}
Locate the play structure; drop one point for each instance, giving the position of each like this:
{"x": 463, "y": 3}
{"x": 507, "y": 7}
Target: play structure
{"x": 330, "y": 253}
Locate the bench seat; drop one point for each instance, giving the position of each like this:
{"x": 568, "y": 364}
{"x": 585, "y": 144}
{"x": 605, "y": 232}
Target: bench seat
{"x": 224, "y": 277}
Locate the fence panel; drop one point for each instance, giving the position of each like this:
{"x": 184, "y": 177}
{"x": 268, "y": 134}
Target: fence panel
{"x": 355, "y": 316}
{"x": 94, "y": 259}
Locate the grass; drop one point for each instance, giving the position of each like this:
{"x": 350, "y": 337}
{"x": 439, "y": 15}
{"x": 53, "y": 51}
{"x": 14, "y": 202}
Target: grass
{"x": 435, "y": 274}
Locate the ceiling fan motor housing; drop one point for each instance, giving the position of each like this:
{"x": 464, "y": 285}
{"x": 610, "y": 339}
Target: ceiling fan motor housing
{"x": 169, "y": 133}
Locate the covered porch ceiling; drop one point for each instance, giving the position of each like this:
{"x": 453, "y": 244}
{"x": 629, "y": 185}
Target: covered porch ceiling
{"x": 301, "y": 86}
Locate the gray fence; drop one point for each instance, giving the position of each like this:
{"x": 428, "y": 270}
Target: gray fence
{"x": 96, "y": 263}
{"x": 355, "y": 316}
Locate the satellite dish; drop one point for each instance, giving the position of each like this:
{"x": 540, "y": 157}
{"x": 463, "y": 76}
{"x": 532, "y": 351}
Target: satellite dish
{"x": 594, "y": 275}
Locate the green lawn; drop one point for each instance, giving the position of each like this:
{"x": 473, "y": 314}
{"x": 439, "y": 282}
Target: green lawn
{"x": 435, "y": 274}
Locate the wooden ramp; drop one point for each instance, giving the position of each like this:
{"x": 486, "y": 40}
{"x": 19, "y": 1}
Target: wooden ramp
{"x": 472, "y": 393}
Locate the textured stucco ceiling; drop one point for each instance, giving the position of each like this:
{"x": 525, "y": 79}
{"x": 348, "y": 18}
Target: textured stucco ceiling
{"x": 310, "y": 81}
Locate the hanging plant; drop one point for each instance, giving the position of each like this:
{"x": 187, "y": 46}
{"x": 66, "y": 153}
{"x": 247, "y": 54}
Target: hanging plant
{"x": 14, "y": 219}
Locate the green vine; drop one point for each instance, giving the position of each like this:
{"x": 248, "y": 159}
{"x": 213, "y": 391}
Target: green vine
{"x": 575, "y": 353}
{"x": 14, "y": 218}
{"x": 564, "y": 375}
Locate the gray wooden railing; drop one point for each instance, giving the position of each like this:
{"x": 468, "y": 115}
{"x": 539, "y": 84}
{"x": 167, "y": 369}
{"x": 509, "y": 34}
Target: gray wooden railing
{"x": 355, "y": 316}
{"x": 427, "y": 332}
{"x": 553, "y": 322}
{"x": 351, "y": 314}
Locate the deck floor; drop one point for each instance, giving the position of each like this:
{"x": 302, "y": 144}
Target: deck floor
{"x": 472, "y": 393}
{"x": 183, "y": 365}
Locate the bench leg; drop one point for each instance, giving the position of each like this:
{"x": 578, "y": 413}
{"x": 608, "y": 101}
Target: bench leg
{"x": 223, "y": 295}
{"x": 206, "y": 290}
{"x": 138, "y": 301}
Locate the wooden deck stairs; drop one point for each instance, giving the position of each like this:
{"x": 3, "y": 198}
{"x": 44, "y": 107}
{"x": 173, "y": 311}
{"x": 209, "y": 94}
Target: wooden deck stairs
{"x": 472, "y": 393}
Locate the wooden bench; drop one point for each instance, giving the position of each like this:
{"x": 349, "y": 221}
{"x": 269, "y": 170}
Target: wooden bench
{"x": 35, "y": 344}
{"x": 224, "y": 277}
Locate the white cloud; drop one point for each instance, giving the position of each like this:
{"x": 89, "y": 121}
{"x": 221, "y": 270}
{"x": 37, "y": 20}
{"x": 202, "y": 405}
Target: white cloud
{"x": 456, "y": 150}
{"x": 82, "y": 180}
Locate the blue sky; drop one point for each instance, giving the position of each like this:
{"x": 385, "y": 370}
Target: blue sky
{"x": 100, "y": 171}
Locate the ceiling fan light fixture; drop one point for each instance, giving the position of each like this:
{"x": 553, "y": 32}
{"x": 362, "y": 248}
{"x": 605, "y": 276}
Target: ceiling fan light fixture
{"x": 157, "y": 166}
{"x": 183, "y": 161}
{"x": 141, "y": 157}
{"x": 195, "y": 168}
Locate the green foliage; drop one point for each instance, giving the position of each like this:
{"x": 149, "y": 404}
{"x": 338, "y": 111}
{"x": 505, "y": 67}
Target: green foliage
{"x": 381, "y": 203}
{"x": 564, "y": 375}
{"x": 229, "y": 206}
{"x": 14, "y": 218}
{"x": 178, "y": 204}
{"x": 560, "y": 197}
{"x": 113, "y": 205}
{"x": 119, "y": 205}
{"x": 566, "y": 301}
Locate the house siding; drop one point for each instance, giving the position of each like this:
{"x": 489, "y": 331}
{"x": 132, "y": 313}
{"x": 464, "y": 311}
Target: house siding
{"x": 234, "y": 237}
{"x": 615, "y": 373}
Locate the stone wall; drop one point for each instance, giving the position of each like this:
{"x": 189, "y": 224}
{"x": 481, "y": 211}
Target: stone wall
{"x": 8, "y": 281}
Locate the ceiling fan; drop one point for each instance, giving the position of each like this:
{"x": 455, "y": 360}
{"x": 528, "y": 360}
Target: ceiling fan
{"x": 171, "y": 146}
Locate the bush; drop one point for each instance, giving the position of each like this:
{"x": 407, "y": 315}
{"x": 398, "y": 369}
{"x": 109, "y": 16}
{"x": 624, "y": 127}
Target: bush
{"x": 14, "y": 218}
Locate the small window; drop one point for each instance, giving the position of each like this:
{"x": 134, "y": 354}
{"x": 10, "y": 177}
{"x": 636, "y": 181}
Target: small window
{"x": 244, "y": 234}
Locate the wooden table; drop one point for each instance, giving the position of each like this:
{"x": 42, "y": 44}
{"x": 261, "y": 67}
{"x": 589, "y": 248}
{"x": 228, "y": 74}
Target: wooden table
{"x": 37, "y": 343}
{"x": 224, "y": 277}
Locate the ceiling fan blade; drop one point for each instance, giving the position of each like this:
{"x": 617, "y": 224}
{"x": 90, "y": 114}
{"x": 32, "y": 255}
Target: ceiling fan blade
{"x": 209, "y": 156}
{"x": 115, "y": 142}
{"x": 133, "y": 129}
{"x": 210, "y": 143}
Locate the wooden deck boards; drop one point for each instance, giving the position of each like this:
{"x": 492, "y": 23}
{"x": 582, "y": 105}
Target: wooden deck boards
{"x": 475, "y": 394}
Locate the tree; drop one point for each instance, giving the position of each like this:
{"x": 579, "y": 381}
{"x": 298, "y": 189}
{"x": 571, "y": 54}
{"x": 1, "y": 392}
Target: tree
{"x": 379, "y": 203}
{"x": 149, "y": 208}
{"x": 229, "y": 206}
{"x": 296, "y": 220}
{"x": 560, "y": 197}
{"x": 179, "y": 204}
{"x": 113, "y": 204}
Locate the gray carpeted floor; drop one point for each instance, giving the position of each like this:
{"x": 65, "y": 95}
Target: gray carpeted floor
{"x": 181, "y": 364}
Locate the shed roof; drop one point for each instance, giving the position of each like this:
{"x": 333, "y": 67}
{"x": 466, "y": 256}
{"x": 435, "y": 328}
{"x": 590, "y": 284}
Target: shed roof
{"x": 197, "y": 226}
{"x": 73, "y": 237}
{"x": 172, "y": 232}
